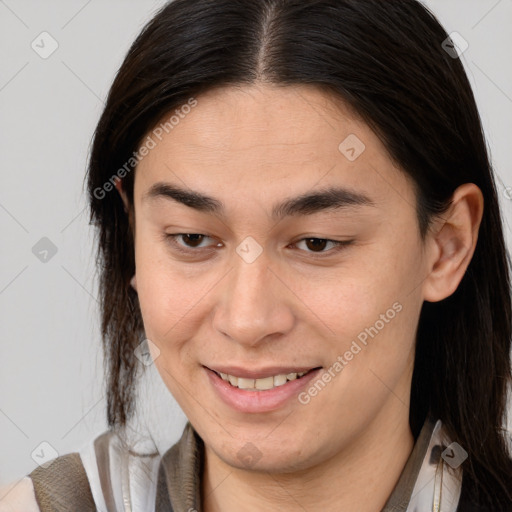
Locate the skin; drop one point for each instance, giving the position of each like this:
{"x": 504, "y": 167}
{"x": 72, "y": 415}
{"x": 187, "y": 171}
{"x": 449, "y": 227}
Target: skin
{"x": 18, "y": 496}
{"x": 251, "y": 147}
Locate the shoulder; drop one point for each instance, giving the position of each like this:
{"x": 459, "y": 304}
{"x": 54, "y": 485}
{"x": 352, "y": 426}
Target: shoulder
{"x": 18, "y": 496}
{"x": 62, "y": 485}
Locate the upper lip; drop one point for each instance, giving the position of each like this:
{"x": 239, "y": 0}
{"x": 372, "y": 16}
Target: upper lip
{"x": 259, "y": 373}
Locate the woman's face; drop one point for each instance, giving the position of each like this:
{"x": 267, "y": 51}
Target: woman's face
{"x": 264, "y": 291}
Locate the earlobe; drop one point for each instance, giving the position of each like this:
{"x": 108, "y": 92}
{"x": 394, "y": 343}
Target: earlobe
{"x": 133, "y": 282}
{"x": 452, "y": 243}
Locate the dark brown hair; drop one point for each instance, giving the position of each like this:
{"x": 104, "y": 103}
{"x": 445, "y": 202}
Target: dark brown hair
{"x": 386, "y": 60}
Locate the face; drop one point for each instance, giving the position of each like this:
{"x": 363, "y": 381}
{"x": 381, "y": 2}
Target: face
{"x": 258, "y": 282}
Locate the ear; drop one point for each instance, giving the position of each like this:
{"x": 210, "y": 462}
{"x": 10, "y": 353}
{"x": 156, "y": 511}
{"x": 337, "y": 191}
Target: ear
{"x": 451, "y": 242}
{"x": 122, "y": 193}
{"x": 128, "y": 210}
{"x": 127, "y": 207}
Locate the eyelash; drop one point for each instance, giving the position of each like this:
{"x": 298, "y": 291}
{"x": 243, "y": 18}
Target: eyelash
{"x": 338, "y": 244}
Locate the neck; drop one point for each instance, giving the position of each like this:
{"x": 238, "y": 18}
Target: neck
{"x": 361, "y": 477}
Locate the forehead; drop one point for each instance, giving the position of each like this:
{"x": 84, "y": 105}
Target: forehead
{"x": 263, "y": 141}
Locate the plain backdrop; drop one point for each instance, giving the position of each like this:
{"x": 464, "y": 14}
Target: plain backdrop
{"x": 51, "y": 374}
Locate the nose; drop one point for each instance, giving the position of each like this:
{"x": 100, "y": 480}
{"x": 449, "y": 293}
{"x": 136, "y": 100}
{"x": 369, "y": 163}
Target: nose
{"x": 254, "y": 305}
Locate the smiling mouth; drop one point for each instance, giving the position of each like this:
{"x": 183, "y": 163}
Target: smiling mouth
{"x": 263, "y": 384}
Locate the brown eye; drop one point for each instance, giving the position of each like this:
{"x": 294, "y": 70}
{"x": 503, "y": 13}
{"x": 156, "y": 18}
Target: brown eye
{"x": 194, "y": 239}
{"x": 316, "y": 244}
{"x": 188, "y": 242}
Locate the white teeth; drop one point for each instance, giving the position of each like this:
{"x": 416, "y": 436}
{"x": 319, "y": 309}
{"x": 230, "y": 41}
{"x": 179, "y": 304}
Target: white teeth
{"x": 266, "y": 383}
{"x": 261, "y": 384}
{"x": 279, "y": 380}
{"x": 245, "y": 383}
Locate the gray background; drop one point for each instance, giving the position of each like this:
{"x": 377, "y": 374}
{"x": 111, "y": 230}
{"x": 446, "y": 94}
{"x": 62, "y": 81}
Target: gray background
{"x": 50, "y": 356}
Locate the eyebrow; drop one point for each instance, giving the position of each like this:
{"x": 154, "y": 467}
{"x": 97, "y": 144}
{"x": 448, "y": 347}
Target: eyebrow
{"x": 309, "y": 203}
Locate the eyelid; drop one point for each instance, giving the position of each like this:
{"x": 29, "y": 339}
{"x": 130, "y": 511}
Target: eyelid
{"x": 339, "y": 245}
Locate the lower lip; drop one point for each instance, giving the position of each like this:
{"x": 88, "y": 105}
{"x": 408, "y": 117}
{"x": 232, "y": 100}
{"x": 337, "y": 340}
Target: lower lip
{"x": 258, "y": 401}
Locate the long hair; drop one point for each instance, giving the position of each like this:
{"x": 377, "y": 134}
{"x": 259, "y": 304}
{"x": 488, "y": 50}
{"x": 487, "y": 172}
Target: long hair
{"x": 386, "y": 60}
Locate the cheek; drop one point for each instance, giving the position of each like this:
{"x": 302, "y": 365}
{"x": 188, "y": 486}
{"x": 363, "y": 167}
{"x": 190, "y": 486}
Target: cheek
{"x": 173, "y": 297}
{"x": 368, "y": 309}
{"x": 371, "y": 359}
{"x": 352, "y": 297}
{"x": 371, "y": 320}
{"x": 160, "y": 288}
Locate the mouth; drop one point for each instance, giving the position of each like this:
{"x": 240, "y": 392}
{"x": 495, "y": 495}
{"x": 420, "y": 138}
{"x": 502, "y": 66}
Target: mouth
{"x": 261, "y": 380}
{"x": 262, "y": 383}
{"x": 259, "y": 391}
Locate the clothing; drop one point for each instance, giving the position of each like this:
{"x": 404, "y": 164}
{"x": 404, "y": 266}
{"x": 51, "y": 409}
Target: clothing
{"x": 108, "y": 476}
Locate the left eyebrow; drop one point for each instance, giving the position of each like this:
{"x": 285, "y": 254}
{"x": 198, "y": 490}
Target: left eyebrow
{"x": 309, "y": 203}
{"x": 331, "y": 198}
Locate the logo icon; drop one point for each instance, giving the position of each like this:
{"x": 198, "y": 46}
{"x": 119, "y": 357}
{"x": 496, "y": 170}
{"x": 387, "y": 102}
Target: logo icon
{"x": 454, "y": 455}
{"x": 147, "y": 352}
{"x": 249, "y": 455}
{"x": 352, "y": 147}
{"x": 455, "y": 45}
{"x": 249, "y": 249}
{"x": 44, "y": 250}
{"x": 44, "y": 454}
{"x": 44, "y": 45}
